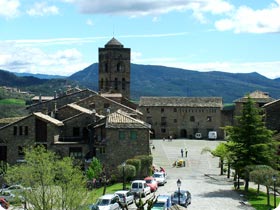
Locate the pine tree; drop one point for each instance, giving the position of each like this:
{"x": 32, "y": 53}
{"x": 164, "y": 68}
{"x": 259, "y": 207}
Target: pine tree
{"x": 251, "y": 143}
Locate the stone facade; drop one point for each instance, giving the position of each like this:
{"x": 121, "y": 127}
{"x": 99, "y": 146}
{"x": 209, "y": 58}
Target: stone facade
{"x": 182, "y": 117}
{"x": 114, "y": 68}
{"x": 120, "y": 136}
{"x": 272, "y": 115}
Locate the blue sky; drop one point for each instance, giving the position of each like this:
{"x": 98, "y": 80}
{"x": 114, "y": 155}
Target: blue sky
{"x": 63, "y": 36}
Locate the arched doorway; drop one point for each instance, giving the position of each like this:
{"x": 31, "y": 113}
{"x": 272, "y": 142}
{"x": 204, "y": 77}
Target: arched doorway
{"x": 183, "y": 133}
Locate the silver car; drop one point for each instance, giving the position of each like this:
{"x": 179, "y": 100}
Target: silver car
{"x": 108, "y": 202}
{"x": 126, "y": 196}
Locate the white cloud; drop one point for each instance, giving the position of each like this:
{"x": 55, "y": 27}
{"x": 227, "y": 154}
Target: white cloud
{"x": 89, "y": 22}
{"x": 247, "y": 20}
{"x": 9, "y": 8}
{"x": 151, "y": 7}
{"x": 41, "y": 9}
{"x": 35, "y": 60}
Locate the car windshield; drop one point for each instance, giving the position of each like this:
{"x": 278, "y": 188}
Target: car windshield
{"x": 158, "y": 205}
{"x": 120, "y": 195}
{"x": 148, "y": 181}
{"x": 157, "y": 175}
{"x": 176, "y": 195}
{"x": 103, "y": 202}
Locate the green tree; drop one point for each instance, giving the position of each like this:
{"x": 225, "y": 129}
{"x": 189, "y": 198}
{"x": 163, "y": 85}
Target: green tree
{"x": 220, "y": 151}
{"x": 55, "y": 183}
{"x": 94, "y": 170}
{"x": 251, "y": 143}
{"x": 263, "y": 176}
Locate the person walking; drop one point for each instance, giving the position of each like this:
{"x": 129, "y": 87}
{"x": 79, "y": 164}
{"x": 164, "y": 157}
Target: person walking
{"x": 186, "y": 152}
{"x": 182, "y": 153}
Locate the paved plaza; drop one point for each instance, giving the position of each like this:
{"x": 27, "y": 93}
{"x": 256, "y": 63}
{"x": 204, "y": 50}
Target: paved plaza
{"x": 200, "y": 175}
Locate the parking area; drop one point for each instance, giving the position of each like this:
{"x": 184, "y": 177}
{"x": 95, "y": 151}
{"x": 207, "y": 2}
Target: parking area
{"x": 200, "y": 175}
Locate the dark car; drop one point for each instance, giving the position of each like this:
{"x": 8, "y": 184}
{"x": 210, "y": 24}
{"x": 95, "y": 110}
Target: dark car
{"x": 185, "y": 198}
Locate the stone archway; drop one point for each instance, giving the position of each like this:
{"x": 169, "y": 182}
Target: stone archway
{"x": 183, "y": 133}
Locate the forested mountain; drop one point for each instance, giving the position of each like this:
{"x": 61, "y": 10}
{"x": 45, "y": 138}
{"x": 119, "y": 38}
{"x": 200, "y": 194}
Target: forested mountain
{"x": 151, "y": 80}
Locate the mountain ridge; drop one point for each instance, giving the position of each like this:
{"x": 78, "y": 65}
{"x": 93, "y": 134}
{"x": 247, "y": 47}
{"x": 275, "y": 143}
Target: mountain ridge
{"x": 156, "y": 80}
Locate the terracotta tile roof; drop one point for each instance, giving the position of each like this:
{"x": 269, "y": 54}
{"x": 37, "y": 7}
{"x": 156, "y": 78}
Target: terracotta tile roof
{"x": 120, "y": 119}
{"x": 182, "y": 101}
{"x": 48, "y": 118}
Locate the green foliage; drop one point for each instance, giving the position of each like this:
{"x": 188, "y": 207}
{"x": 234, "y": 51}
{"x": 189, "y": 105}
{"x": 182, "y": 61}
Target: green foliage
{"x": 146, "y": 164}
{"x": 129, "y": 171}
{"x": 94, "y": 170}
{"x": 136, "y": 163}
{"x": 250, "y": 142}
{"x": 55, "y": 183}
{"x": 13, "y": 101}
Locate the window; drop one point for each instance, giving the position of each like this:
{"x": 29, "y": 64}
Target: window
{"x": 121, "y": 135}
{"x": 116, "y": 84}
{"x": 76, "y": 131}
{"x": 26, "y": 130}
{"x": 133, "y": 135}
{"x": 192, "y": 119}
{"x": 15, "y": 130}
{"x": 175, "y": 120}
{"x": 123, "y": 83}
{"x": 163, "y": 130}
{"x": 162, "y": 110}
{"x": 175, "y": 110}
{"x": 163, "y": 121}
{"x": 147, "y": 110}
{"x": 209, "y": 119}
{"x": 20, "y": 130}
{"x": 20, "y": 151}
{"x": 76, "y": 152}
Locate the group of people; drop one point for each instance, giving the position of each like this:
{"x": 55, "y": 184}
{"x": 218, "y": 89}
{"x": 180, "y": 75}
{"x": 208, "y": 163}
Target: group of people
{"x": 161, "y": 169}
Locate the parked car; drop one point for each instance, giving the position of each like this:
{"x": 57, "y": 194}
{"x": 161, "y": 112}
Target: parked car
{"x": 126, "y": 196}
{"x": 108, "y": 202}
{"x": 140, "y": 188}
{"x": 15, "y": 189}
{"x": 11, "y": 197}
{"x": 163, "y": 202}
{"x": 152, "y": 183}
{"x": 4, "y": 203}
{"x": 185, "y": 198}
{"x": 160, "y": 177}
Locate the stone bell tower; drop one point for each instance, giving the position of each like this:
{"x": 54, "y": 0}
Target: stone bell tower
{"x": 114, "y": 69}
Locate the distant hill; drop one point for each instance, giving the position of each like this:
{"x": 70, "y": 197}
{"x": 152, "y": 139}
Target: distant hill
{"x": 40, "y": 76}
{"x": 34, "y": 85}
{"x": 151, "y": 80}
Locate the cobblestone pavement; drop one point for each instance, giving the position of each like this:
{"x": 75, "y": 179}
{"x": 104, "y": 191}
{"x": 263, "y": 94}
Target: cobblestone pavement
{"x": 200, "y": 176}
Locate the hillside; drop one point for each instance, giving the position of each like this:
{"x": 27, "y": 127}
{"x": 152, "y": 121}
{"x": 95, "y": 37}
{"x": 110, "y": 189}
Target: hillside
{"x": 150, "y": 80}
{"x": 33, "y": 84}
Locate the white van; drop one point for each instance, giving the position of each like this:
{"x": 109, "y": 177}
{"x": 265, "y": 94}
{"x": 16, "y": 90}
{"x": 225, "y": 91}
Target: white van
{"x": 140, "y": 188}
{"x": 212, "y": 135}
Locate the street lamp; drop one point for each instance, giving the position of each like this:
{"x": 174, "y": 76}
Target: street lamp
{"x": 179, "y": 194}
{"x": 123, "y": 165}
{"x": 274, "y": 183}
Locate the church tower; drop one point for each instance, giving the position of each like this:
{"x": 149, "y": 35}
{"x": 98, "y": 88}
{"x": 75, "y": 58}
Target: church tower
{"x": 114, "y": 69}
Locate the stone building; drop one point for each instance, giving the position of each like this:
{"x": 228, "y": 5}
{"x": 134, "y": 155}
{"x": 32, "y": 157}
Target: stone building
{"x": 272, "y": 115}
{"x": 119, "y": 136}
{"x": 182, "y": 117}
{"x": 259, "y": 97}
{"x": 114, "y": 68}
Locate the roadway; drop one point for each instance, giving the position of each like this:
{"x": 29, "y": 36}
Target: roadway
{"x": 200, "y": 175}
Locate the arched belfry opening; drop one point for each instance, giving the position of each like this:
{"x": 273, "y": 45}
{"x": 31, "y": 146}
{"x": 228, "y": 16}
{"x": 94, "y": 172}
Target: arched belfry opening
{"x": 114, "y": 68}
